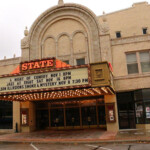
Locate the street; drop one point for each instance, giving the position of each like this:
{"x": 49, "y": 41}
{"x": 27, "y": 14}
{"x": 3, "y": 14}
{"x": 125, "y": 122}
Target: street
{"x": 75, "y": 146}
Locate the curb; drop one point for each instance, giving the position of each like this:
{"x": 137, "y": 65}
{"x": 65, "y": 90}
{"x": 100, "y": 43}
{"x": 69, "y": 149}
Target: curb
{"x": 77, "y": 142}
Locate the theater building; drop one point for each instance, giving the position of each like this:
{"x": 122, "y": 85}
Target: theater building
{"x": 78, "y": 70}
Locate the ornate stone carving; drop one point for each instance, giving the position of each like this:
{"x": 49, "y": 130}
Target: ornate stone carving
{"x": 74, "y": 11}
{"x": 26, "y": 32}
{"x": 60, "y": 2}
{"x": 104, "y": 26}
{"x": 25, "y": 41}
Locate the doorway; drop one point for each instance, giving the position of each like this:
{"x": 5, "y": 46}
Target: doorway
{"x": 126, "y": 110}
{"x": 71, "y": 115}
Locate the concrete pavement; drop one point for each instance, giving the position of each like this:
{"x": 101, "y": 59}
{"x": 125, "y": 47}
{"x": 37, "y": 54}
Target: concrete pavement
{"x": 78, "y": 136}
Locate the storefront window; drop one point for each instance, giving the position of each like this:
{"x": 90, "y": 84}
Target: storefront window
{"x": 146, "y": 94}
{"x": 142, "y": 106}
{"x": 138, "y": 95}
{"x": 5, "y": 115}
{"x": 139, "y": 113}
{"x": 147, "y": 112}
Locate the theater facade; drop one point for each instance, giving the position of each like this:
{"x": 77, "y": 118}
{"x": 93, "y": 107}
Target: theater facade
{"x": 68, "y": 97}
{"x": 78, "y": 70}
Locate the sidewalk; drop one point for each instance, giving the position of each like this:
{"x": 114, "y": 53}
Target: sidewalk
{"x": 78, "y": 136}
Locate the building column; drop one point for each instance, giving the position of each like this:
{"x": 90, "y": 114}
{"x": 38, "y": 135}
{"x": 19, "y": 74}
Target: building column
{"x": 113, "y": 126}
{"x": 32, "y": 116}
{"x": 29, "y": 109}
{"x": 16, "y": 115}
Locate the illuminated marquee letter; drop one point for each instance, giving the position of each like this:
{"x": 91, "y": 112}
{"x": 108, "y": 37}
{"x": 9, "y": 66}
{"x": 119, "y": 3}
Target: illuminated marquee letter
{"x": 24, "y": 67}
{"x": 49, "y": 63}
{"x": 36, "y": 65}
{"x": 30, "y": 65}
{"x": 43, "y": 64}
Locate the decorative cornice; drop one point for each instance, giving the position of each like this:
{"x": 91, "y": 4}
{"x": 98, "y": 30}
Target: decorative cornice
{"x": 10, "y": 61}
{"x": 128, "y": 40}
{"x": 132, "y": 76}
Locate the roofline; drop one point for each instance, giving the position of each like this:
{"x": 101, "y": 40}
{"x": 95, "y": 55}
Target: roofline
{"x": 121, "y": 10}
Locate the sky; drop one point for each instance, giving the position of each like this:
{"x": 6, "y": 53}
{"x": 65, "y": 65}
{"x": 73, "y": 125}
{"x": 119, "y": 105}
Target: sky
{"x": 15, "y": 15}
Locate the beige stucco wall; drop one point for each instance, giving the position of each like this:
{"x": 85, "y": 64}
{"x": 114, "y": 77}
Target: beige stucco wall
{"x": 68, "y": 32}
{"x": 123, "y": 80}
{"x": 129, "y": 21}
{"x": 119, "y": 55}
{"x": 64, "y": 39}
{"x": 143, "y": 126}
{"x": 131, "y": 83}
{"x": 8, "y": 65}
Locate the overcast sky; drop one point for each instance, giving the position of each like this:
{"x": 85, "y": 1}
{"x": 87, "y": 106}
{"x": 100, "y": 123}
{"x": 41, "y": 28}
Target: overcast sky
{"x": 15, "y": 15}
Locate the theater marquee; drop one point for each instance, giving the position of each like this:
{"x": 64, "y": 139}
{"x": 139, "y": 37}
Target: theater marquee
{"x": 55, "y": 79}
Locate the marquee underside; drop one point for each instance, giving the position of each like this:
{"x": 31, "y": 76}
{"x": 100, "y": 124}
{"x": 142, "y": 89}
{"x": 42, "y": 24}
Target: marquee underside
{"x": 56, "y": 95}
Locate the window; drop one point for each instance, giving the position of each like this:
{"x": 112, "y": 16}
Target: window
{"x": 138, "y": 62}
{"x": 144, "y": 30}
{"x": 145, "y": 61}
{"x": 118, "y": 34}
{"x": 132, "y": 64}
{"x": 140, "y": 118}
{"x": 142, "y": 106}
{"x": 66, "y": 61}
{"x": 6, "y": 116}
{"x": 80, "y": 61}
{"x": 142, "y": 94}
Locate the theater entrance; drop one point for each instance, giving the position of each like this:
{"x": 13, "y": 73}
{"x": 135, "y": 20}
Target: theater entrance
{"x": 71, "y": 114}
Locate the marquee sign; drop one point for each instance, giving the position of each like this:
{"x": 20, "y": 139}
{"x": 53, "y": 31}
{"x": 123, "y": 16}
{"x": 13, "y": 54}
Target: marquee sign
{"x": 37, "y": 65}
{"x": 65, "y": 78}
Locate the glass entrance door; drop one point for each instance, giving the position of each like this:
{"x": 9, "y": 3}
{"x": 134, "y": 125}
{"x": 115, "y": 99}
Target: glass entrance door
{"x": 83, "y": 114}
{"x": 57, "y": 117}
{"x": 72, "y": 117}
{"x": 126, "y": 110}
{"x": 126, "y": 115}
{"x": 89, "y": 116}
{"x": 101, "y": 115}
{"x": 42, "y": 119}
